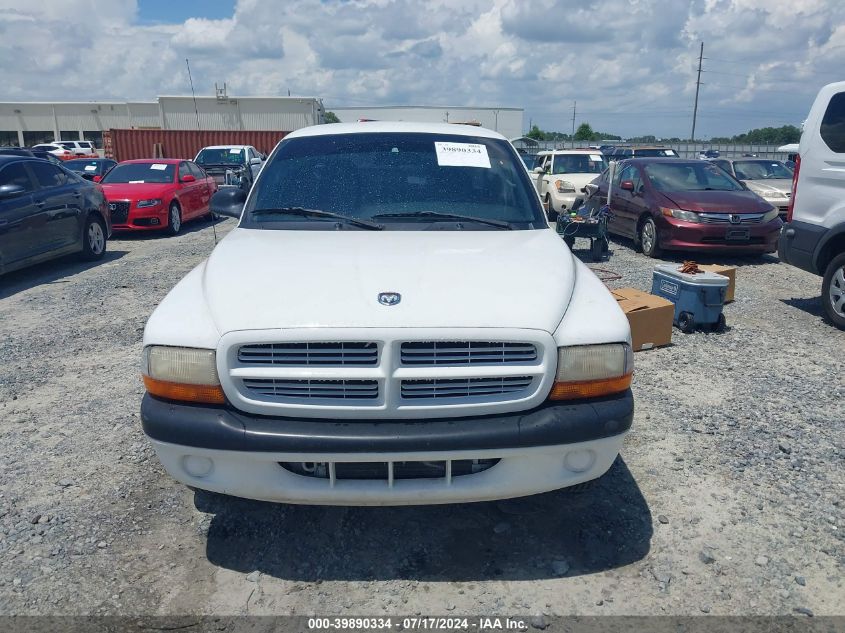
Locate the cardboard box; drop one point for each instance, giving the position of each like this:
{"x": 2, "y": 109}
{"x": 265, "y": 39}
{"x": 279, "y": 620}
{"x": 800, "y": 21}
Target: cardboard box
{"x": 725, "y": 271}
{"x": 650, "y": 317}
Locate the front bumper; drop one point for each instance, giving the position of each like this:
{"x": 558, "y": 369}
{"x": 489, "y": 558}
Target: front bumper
{"x": 550, "y": 447}
{"x": 144, "y": 219}
{"x": 679, "y": 235}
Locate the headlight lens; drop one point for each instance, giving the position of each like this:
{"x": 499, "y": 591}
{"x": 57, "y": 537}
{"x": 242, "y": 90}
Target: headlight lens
{"x": 564, "y": 186}
{"x": 771, "y": 215}
{"x": 182, "y": 373}
{"x": 588, "y": 371}
{"x": 152, "y": 202}
{"x": 681, "y": 214}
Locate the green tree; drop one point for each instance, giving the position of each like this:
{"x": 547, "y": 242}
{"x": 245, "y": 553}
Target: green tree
{"x": 584, "y": 133}
{"x": 330, "y": 117}
{"x": 536, "y": 133}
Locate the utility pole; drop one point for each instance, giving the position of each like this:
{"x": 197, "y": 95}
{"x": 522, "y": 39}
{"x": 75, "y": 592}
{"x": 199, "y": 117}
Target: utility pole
{"x": 697, "y": 86}
{"x": 574, "y": 105}
{"x": 191, "y": 79}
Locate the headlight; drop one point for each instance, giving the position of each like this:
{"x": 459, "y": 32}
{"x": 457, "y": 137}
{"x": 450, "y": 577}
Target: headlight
{"x": 152, "y": 202}
{"x": 680, "y": 214}
{"x": 588, "y": 371}
{"x": 564, "y": 186}
{"x": 774, "y": 195}
{"x": 771, "y": 215}
{"x": 182, "y": 373}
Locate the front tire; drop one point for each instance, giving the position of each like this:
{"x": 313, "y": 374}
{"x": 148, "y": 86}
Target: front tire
{"x": 833, "y": 291}
{"x": 648, "y": 238}
{"x": 93, "y": 239}
{"x": 174, "y": 219}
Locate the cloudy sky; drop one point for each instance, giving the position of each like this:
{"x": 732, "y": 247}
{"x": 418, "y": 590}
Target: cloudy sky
{"x": 630, "y": 64}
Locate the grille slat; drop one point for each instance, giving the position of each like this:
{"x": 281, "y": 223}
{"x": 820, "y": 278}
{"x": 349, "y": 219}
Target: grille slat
{"x": 463, "y": 387}
{"x": 467, "y": 353}
{"x": 310, "y": 389}
{"x": 724, "y": 218}
{"x": 119, "y": 212}
{"x": 303, "y": 354}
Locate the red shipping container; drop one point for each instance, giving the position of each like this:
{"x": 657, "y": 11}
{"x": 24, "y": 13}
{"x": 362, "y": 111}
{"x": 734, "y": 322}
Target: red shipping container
{"x": 131, "y": 144}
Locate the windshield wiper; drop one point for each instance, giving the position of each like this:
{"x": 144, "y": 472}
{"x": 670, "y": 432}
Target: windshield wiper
{"x": 319, "y": 213}
{"x": 501, "y": 224}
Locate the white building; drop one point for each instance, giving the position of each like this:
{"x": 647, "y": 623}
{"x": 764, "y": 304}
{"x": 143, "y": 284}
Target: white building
{"x": 506, "y": 121}
{"x": 30, "y": 123}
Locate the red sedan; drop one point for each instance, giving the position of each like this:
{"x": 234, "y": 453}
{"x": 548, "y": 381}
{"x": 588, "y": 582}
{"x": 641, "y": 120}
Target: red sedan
{"x": 161, "y": 193}
{"x": 685, "y": 205}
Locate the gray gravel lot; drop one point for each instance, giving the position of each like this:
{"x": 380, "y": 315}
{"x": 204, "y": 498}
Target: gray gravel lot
{"x": 728, "y": 497}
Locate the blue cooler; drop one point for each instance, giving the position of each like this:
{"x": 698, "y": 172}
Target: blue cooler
{"x": 698, "y": 298}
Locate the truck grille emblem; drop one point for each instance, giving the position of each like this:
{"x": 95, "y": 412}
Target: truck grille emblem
{"x": 389, "y": 298}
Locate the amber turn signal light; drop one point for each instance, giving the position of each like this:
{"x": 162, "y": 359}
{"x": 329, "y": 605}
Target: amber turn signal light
{"x": 590, "y": 388}
{"x": 204, "y": 394}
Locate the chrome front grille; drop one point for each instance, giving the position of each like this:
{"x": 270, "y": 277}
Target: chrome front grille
{"x": 725, "y": 218}
{"x": 467, "y": 353}
{"x": 463, "y": 387}
{"x": 309, "y": 354}
{"x": 313, "y": 389}
{"x": 402, "y": 373}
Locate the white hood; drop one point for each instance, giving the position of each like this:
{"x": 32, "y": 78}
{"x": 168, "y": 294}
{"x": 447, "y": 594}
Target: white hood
{"x": 262, "y": 279}
{"x": 780, "y": 185}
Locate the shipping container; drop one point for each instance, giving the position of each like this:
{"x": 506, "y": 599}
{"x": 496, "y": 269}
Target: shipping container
{"x": 131, "y": 144}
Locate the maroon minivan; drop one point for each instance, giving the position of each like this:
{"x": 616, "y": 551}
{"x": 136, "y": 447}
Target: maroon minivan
{"x": 675, "y": 204}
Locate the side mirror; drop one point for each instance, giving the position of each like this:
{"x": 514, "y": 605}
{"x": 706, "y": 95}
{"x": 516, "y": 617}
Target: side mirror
{"x": 97, "y": 178}
{"x": 10, "y": 191}
{"x": 627, "y": 185}
{"x": 254, "y": 161}
{"x": 188, "y": 178}
{"x": 229, "y": 202}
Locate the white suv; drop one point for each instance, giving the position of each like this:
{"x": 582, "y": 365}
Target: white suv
{"x": 374, "y": 332}
{"x": 814, "y": 237}
{"x": 83, "y": 149}
{"x": 560, "y": 176}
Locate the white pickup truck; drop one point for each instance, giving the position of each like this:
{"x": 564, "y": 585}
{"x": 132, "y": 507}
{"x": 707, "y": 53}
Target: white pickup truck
{"x": 392, "y": 321}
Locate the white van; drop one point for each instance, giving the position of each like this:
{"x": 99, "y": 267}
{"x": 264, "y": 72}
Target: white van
{"x": 375, "y": 331}
{"x": 814, "y": 237}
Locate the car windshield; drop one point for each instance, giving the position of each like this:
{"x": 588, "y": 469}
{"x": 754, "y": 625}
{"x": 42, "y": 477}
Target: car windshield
{"x": 83, "y": 166}
{"x": 579, "y": 163}
{"x": 158, "y": 173}
{"x": 221, "y": 156}
{"x": 399, "y": 179}
{"x": 654, "y": 152}
{"x": 761, "y": 170}
{"x": 689, "y": 176}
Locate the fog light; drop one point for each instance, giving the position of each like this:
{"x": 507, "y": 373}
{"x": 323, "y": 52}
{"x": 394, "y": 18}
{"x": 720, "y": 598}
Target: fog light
{"x": 155, "y": 221}
{"x": 197, "y": 466}
{"x": 579, "y": 461}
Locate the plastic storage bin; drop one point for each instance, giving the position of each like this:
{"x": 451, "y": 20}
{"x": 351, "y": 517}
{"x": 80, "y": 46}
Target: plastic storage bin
{"x": 698, "y": 298}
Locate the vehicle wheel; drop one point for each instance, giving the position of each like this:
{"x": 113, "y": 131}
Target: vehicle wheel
{"x": 93, "y": 239}
{"x": 833, "y": 291}
{"x": 721, "y": 324}
{"x": 648, "y": 238}
{"x": 686, "y": 322}
{"x": 174, "y": 219}
{"x": 570, "y": 242}
{"x": 597, "y": 249}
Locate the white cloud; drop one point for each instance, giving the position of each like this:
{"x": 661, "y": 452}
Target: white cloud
{"x": 630, "y": 64}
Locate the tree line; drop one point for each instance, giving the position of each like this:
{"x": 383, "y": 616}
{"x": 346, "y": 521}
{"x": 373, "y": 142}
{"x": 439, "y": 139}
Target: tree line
{"x": 759, "y": 136}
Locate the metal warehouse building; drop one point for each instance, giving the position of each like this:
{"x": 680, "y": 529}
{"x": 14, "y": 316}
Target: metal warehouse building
{"x": 506, "y": 121}
{"x": 30, "y": 123}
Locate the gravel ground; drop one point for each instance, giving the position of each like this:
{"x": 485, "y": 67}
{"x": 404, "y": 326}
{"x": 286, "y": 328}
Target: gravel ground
{"x": 727, "y": 499}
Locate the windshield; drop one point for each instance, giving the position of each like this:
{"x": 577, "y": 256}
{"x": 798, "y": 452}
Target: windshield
{"x": 158, "y": 173}
{"x": 761, "y": 170}
{"x": 372, "y": 175}
{"x": 84, "y": 166}
{"x": 220, "y": 156}
{"x": 579, "y": 164}
{"x": 684, "y": 176}
{"x": 655, "y": 152}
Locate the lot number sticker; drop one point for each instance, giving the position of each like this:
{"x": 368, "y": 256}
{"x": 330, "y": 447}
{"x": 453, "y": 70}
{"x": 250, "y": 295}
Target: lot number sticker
{"x": 159, "y": 166}
{"x": 461, "y": 155}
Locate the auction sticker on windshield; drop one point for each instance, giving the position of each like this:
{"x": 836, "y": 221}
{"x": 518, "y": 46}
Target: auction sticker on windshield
{"x": 159, "y": 166}
{"x": 461, "y": 155}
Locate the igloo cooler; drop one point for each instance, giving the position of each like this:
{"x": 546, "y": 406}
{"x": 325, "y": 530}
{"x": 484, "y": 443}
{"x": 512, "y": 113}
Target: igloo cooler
{"x": 698, "y": 298}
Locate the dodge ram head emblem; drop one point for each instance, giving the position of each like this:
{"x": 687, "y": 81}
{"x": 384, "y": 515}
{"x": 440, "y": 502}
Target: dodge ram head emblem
{"x": 389, "y": 298}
